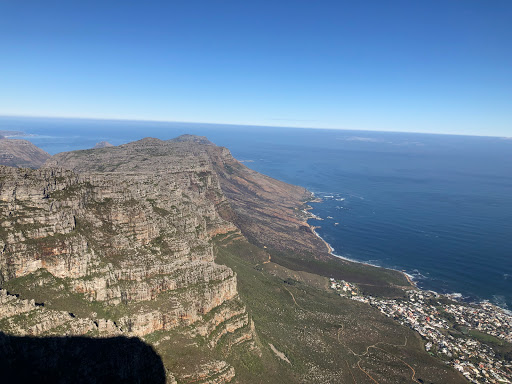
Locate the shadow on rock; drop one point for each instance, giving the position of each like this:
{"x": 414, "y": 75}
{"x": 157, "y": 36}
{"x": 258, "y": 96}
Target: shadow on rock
{"x": 78, "y": 360}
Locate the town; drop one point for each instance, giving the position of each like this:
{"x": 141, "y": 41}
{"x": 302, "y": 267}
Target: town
{"x": 461, "y": 334}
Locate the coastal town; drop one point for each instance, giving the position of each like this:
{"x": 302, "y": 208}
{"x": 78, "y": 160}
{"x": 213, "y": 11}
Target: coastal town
{"x": 473, "y": 338}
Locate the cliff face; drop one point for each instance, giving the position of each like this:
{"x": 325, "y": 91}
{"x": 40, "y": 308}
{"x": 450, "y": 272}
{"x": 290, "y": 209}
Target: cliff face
{"x": 269, "y": 212}
{"x": 21, "y": 153}
{"x": 119, "y": 243}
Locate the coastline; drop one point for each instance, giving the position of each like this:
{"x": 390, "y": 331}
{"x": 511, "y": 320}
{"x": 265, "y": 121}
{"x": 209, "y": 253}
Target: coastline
{"x": 410, "y": 279}
{"x": 330, "y": 249}
{"x": 457, "y": 297}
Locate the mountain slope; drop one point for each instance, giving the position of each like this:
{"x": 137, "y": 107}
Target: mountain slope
{"x": 21, "y": 153}
{"x": 102, "y": 144}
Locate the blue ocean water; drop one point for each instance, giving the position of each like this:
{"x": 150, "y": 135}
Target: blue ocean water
{"x": 436, "y": 206}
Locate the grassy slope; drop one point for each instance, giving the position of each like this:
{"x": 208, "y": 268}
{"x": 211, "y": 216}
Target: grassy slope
{"x": 372, "y": 280}
{"x": 325, "y": 337}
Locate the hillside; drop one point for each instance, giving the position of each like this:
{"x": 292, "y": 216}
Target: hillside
{"x": 21, "y": 153}
{"x": 208, "y": 263}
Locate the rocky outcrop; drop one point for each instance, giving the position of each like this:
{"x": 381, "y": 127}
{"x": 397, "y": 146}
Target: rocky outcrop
{"x": 10, "y": 305}
{"x": 213, "y": 372}
{"x": 117, "y": 241}
{"x": 21, "y": 153}
{"x": 102, "y": 144}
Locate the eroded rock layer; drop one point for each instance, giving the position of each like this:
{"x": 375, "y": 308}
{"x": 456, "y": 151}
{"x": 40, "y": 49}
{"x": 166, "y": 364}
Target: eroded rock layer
{"x": 117, "y": 241}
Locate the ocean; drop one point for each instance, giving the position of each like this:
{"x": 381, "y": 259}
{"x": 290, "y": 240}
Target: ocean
{"x": 438, "y": 207}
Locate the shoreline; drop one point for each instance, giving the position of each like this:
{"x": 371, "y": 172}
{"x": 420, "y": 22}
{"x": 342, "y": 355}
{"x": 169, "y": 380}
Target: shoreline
{"x": 410, "y": 279}
{"x": 457, "y": 297}
{"x": 330, "y": 249}
{"x": 418, "y": 313}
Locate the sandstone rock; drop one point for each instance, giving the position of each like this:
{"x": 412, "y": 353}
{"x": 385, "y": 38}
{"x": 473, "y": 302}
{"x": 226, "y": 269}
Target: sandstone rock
{"x": 117, "y": 241}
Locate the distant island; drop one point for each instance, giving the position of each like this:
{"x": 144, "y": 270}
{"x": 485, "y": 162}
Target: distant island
{"x": 102, "y": 144}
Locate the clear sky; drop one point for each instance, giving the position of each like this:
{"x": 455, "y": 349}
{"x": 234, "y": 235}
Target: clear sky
{"x": 425, "y": 66}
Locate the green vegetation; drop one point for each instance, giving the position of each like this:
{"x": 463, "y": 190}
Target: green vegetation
{"x": 502, "y": 349}
{"x": 55, "y": 293}
{"x": 486, "y": 338}
{"x": 229, "y": 169}
{"x": 323, "y": 335}
{"x": 373, "y": 281}
{"x": 160, "y": 211}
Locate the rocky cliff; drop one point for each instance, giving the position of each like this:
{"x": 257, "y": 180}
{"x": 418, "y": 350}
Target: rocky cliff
{"x": 119, "y": 243}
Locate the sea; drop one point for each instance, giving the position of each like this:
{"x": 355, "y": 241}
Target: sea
{"x": 438, "y": 207}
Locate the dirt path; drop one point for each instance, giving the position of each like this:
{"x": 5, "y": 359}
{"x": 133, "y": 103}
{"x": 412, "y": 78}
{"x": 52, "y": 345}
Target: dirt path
{"x": 279, "y": 354}
{"x": 366, "y": 373}
{"x": 413, "y": 378}
{"x": 375, "y": 346}
{"x": 293, "y": 297}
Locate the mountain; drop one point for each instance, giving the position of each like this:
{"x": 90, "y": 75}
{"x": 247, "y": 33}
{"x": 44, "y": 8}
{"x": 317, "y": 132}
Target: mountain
{"x": 102, "y": 144}
{"x": 21, "y": 153}
{"x": 178, "y": 246}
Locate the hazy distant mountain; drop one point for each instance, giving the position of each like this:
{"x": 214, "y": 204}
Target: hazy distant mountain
{"x": 21, "y": 153}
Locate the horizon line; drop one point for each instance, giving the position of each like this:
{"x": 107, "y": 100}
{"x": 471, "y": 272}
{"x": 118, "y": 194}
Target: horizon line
{"x": 145, "y": 120}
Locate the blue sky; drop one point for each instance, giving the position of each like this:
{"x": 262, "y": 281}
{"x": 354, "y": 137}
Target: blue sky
{"x": 424, "y": 66}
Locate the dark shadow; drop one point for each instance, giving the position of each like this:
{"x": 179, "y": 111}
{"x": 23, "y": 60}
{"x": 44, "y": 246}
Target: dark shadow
{"x": 78, "y": 360}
